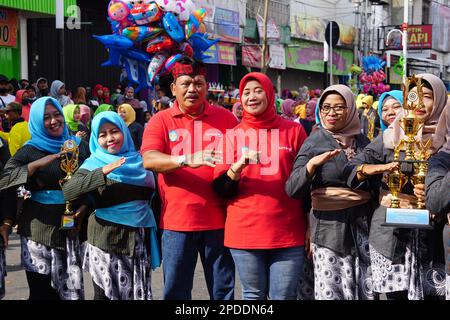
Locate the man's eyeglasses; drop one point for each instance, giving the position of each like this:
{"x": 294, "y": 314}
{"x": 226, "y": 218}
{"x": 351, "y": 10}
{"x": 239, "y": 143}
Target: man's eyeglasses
{"x": 337, "y": 109}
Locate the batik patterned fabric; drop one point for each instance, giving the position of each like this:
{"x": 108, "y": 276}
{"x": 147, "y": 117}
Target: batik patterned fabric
{"x": 306, "y": 283}
{"x": 2, "y": 273}
{"x": 344, "y": 277}
{"x": 419, "y": 280}
{"x": 63, "y": 266}
{"x": 120, "y": 276}
{"x": 447, "y": 286}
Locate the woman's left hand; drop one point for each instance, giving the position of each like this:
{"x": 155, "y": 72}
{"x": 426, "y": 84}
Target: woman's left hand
{"x": 79, "y": 217}
{"x": 308, "y": 247}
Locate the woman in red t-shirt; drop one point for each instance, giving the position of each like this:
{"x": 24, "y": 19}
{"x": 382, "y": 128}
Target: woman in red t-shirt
{"x": 264, "y": 229}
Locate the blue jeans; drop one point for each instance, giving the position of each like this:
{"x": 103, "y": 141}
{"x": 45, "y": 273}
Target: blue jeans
{"x": 273, "y": 273}
{"x": 179, "y": 253}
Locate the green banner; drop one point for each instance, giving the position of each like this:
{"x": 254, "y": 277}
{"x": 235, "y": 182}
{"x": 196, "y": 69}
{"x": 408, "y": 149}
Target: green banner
{"x": 41, "y": 6}
{"x": 307, "y": 55}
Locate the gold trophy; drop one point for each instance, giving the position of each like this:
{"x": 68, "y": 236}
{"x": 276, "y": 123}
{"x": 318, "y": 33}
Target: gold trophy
{"x": 69, "y": 164}
{"x": 416, "y": 155}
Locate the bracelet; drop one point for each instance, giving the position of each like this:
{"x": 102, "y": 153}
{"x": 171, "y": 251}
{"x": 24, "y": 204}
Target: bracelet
{"x": 231, "y": 168}
{"x": 361, "y": 172}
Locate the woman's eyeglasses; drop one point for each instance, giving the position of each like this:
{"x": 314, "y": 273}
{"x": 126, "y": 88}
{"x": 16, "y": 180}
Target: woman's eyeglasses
{"x": 337, "y": 109}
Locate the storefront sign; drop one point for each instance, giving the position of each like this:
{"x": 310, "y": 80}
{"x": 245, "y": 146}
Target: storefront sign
{"x": 419, "y": 37}
{"x": 306, "y": 55}
{"x": 273, "y": 32}
{"x": 227, "y": 53}
{"x": 311, "y": 28}
{"x": 222, "y": 53}
{"x": 251, "y": 56}
{"x": 8, "y": 28}
{"x": 277, "y": 58}
{"x": 227, "y": 25}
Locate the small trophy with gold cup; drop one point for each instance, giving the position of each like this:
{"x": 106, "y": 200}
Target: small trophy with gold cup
{"x": 416, "y": 155}
{"x": 69, "y": 164}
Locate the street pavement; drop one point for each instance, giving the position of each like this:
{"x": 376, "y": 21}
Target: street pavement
{"x": 17, "y": 288}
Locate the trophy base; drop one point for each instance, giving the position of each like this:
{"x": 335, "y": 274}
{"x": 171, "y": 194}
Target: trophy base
{"x": 67, "y": 222}
{"x": 408, "y": 218}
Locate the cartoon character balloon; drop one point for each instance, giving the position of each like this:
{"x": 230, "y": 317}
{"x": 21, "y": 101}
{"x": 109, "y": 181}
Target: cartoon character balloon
{"x": 119, "y": 11}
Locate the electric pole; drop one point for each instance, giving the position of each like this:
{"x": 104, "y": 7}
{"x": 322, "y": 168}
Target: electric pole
{"x": 366, "y": 29}
{"x": 264, "y": 44}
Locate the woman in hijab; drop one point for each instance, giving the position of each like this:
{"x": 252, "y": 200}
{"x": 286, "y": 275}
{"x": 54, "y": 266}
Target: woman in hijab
{"x": 102, "y": 108}
{"x": 50, "y": 256}
{"x": 85, "y": 115}
{"x": 126, "y": 112}
{"x": 265, "y": 230}
{"x": 368, "y": 118}
{"x": 437, "y": 185}
{"x": 22, "y": 97}
{"x": 339, "y": 217}
{"x": 310, "y": 119}
{"x": 58, "y": 91}
{"x": 80, "y": 96}
{"x": 128, "y": 98}
{"x": 97, "y": 94}
{"x": 389, "y": 106}
{"x": 287, "y": 109}
{"x": 72, "y": 117}
{"x": 122, "y": 244}
{"x": 237, "y": 110}
{"x": 405, "y": 262}
{"x": 106, "y": 95}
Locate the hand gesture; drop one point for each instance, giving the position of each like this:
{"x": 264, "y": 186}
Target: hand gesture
{"x": 43, "y": 162}
{"x": 248, "y": 157}
{"x": 203, "y": 158}
{"x": 319, "y": 160}
{"x": 375, "y": 169}
{"x": 110, "y": 167}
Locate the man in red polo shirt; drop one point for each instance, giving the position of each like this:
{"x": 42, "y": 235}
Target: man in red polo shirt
{"x": 178, "y": 143}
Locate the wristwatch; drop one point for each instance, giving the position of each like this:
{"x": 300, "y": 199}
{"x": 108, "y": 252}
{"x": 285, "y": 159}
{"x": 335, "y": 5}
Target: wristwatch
{"x": 181, "y": 161}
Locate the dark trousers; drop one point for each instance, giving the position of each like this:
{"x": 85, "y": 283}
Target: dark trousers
{"x": 40, "y": 286}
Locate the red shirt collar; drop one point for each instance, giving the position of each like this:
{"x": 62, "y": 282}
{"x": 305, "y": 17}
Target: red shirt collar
{"x": 176, "y": 112}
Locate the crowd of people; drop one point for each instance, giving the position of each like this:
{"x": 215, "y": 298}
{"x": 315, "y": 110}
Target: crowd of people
{"x": 286, "y": 190}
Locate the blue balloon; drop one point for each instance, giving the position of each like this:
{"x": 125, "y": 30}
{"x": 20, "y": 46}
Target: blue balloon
{"x": 200, "y": 43}
{"x": 172, "y": 27}
{"x": 116, "y": 45}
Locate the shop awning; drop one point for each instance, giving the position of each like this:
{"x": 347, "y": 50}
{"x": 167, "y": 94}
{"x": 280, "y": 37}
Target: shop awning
{"x": 40, "y": 6}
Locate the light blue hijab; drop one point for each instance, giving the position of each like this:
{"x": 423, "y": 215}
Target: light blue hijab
{"x": 397, "y": 95}
{"x": 132, "y": 171}
{"x": 40, "y": 139}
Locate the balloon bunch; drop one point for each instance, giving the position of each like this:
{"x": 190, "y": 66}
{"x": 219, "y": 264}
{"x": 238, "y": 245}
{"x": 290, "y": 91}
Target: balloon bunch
{"x": 150, "y": 36}
{"x": 373, "y": 75}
